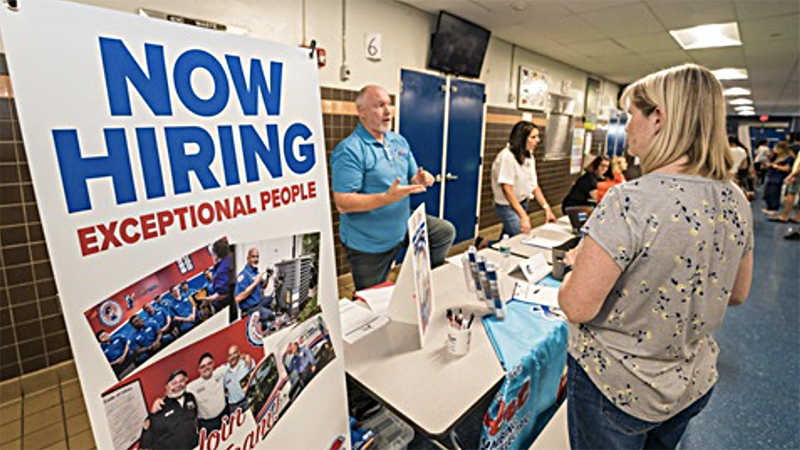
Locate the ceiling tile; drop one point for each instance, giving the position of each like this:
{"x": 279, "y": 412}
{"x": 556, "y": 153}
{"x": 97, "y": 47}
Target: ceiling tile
{"x": 583, "y": 6}
{"x": 770, "y": 29}
{"x": 563, "y": 29}
{"x": 692, "y": 14}
{"x": 663, "y": 60}
{"x": 749, "y": 9}
{"x": 602, "y": 48}
{"x": 717, "y": 58}
{"x": 655, "y": 42}
{"x": 626, "y": 21}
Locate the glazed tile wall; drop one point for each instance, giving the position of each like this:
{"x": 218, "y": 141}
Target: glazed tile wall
{"x": 32, "y": 330}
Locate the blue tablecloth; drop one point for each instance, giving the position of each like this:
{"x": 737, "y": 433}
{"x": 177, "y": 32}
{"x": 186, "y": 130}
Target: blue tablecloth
{"x": 531, "y": 344}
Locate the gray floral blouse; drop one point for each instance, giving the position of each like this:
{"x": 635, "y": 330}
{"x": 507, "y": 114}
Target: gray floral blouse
{"x": 679, "y": 240}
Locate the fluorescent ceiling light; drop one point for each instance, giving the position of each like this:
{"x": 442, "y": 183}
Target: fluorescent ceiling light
{"x": 741, "y": 101}
{"x": 744, "y": 108}
{"x": 730, "y": 74}
{"x": 708, "y": 36}
{"x": 747, "y": 113}
{"x": 735, "y": 91}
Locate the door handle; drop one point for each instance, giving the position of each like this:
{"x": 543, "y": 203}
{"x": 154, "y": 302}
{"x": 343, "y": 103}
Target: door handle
{"x": 451, "y": 177}
{"x": 438, "y": 178}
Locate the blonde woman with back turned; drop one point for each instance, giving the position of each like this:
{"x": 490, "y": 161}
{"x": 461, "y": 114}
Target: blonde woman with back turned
{"x": 662, "y": 258}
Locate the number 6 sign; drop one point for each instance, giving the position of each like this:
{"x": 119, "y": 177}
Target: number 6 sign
{"x": 373, "y": 46}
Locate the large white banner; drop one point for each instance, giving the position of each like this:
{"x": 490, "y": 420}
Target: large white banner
{"x": 182, "y": 185}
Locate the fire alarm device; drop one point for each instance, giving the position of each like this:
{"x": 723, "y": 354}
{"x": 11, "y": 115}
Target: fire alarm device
{"x": 322, "y": 57}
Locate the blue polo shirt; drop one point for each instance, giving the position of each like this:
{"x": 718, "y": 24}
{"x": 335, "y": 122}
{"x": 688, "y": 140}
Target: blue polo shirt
{"x": 183, "y": 308}
{"x": 147, "y": 335}
{"x": 361, "y": 164}
{"x": 158, "y": 316}
{"x": 114, "y": 348}
{"x": 245, "y": 279}
{"x": 165, "y": 306}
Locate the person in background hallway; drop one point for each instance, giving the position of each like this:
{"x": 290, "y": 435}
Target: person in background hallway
{"x": 743, "y": 166}
{"x": 792, "y": 183}
{"x": 738, "y": 152}
{"x": 514, "y": 180}
{"x": 373, "y": 172}
{"x": 777, "y": 171}
{"x": 662, "y": 258}
{"x": 584, "y": 191}
{"x": 613, "y": 177}
{"x": 761, "y": 160}
{"x": 794, "y": 234}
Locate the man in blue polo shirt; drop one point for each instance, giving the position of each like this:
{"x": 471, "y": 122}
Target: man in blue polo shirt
{"x": 116, "y": 349}
{"x": 146, "y": 338}
{"x": 249, "y": 292}
{"x": 373, "y": 173}
{"x": 185, "y": 312}
{"x": 164, "y": 321}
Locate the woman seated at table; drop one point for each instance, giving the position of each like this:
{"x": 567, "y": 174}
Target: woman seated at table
{"x": 613, "y": 177}
{"x": 514, "y": 180}
{"x": 584, "y": 191}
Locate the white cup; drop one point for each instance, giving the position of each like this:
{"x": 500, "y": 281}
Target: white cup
{"x": 458, "y": 340}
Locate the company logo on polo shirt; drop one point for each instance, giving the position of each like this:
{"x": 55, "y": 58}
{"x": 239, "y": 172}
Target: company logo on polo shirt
{"x": 254, "y": 331}
{"x": 110, "y": 313}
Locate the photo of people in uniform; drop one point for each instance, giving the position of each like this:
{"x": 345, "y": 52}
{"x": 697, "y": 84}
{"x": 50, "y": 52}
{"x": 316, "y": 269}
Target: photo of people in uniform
{"x": 142, "y": 319}
{"x": 188, "y": 396}
{"x": 304, "y": 350}
{"x": 276, "y": 282}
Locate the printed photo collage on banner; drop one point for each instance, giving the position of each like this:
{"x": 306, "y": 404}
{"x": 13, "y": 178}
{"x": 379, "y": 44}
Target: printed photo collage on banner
{"x": 259, "y": 364}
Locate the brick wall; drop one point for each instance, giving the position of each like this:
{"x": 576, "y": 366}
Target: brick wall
{"x": 32, "y": 330}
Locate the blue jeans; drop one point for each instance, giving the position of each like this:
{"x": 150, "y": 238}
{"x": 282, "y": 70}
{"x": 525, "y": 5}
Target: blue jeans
{"x": 510, "y": 218}
{"x": 772, "y": 195}
{"x": 595, "y": 423}
{"x": 369, "y": 269}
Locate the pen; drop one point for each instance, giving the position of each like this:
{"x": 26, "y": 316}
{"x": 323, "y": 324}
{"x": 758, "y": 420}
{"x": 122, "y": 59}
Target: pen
{"x": 469, "y": 324}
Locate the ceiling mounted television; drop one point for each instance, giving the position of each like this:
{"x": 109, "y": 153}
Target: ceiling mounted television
{"x": 458, "y": 46}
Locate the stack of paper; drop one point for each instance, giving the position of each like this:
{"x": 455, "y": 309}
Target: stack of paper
{"x": 358, "y": 321}
{"x": 540, "y": 295}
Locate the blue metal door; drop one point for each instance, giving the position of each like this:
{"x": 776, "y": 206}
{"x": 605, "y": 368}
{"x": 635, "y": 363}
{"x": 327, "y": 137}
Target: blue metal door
{"x": 421, "y": 122}
{"x": 463, "y": 157}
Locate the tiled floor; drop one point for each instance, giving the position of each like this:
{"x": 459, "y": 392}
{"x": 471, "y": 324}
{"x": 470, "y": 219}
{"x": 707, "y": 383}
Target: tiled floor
{"x": 44, "y": 410}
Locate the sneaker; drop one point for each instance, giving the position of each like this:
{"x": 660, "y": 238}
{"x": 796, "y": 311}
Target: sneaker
{"x": 768, "y": 212}
{"x": 793, "y": 234}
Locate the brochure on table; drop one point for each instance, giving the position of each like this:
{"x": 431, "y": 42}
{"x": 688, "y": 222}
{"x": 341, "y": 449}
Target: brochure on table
{"x": 412, "y": 299}
{"x": 165, "y": 160}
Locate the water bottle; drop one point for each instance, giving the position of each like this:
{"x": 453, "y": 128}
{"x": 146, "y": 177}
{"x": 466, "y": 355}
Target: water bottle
{"x": 505, "y": 249}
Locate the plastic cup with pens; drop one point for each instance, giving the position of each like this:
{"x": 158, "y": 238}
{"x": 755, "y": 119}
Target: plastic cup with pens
{"x": 459, "y": 332}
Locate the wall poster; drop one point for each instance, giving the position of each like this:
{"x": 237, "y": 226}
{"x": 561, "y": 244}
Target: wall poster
{"x": 532, "y": 89}
{"x": 168, "y": 161}
{"x": 576, "y": 156}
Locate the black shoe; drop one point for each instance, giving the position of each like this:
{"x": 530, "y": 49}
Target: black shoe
{"x": 793, "y": 234}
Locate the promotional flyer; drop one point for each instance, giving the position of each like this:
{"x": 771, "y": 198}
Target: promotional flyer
{"x": 168, "y": 162}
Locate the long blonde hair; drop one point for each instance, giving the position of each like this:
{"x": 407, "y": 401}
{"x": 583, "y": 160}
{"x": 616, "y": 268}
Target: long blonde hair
{"x": 693, "y": 107}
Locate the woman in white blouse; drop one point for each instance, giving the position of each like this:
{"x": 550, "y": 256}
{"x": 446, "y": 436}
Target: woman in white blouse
{"x": 514, "y": 180}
